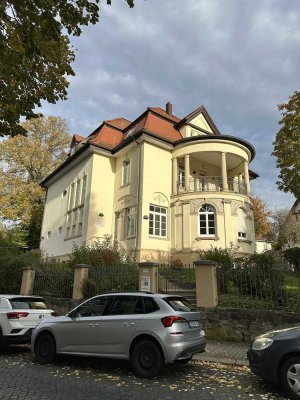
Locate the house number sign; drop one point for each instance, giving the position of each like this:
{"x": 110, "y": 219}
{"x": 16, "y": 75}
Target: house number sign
{"x": 145, "y": 283}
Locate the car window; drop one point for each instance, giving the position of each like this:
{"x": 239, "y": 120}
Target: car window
{"x": 150, "y": 305}
{"x": 91, "y": 308}
{"x": 124, "y": 305}
{"x": 28, "y": 303}
{"x": 179, "y": 304}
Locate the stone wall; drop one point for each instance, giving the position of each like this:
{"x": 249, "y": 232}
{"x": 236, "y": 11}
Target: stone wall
{"x": 243, "y": 325}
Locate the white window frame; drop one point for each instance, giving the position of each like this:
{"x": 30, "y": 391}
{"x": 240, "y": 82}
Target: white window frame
{"x": 242, "y": 224}
{"x": 242, "y": 235}
{"x": 126, "y": 172}
{"x": 75, "y": 211}
{"x": 206, "y": 213}
{"x": 156, "y": 215}
{"x": 130, "y": 222}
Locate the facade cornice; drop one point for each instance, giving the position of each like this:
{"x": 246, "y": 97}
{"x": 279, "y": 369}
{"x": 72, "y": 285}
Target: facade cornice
{"x": 218, "y": 139}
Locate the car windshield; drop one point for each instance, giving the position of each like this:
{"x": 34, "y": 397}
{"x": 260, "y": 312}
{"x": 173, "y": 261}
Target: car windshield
{"x": 179, "y": 304}
{"x": 26, "y": 303}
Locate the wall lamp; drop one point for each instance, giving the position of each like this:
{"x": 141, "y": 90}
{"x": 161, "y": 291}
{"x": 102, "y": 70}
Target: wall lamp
{"x": 101, "y": 215}
{"x": 145, "y": 217}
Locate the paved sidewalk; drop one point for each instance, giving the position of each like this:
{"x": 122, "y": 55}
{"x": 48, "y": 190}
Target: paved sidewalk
{"x": 224, "y": 352}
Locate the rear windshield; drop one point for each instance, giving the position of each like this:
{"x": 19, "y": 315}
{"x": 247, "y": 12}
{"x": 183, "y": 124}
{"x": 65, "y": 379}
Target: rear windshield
{"x": 179, "y": 304}
{"x": 28, "y": 303}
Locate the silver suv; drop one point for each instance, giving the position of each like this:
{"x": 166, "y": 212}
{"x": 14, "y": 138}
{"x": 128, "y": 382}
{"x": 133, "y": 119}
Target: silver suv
{"x": 19, "y": 315}
{"x": 147, "y": 329}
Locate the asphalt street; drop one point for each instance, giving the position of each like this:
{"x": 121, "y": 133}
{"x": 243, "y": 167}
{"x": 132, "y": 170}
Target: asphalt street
{"x": 73, "y": 378}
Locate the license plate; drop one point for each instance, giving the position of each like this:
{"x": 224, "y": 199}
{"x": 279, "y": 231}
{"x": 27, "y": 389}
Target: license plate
{"x": 194, "y": 324}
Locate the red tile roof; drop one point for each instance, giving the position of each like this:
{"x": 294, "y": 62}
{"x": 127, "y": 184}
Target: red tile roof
{"x": 155, "y": 120}
{"x": 161, "y": 127}
{"x": 107, "y": 136}
{"x": 163, "y": 113}
{"x": 120, "y": 123}
{"x": 78, "y": 138}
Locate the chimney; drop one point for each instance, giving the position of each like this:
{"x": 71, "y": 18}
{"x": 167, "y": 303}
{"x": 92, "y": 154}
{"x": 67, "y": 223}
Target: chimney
{"x": 169, "y": 108}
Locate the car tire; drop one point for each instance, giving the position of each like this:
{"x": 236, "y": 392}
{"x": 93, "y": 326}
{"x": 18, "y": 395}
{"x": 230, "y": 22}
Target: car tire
{"x": 147, "y": 359}
{"x": 45, "y": 349}
{"x": 290, "y": 377}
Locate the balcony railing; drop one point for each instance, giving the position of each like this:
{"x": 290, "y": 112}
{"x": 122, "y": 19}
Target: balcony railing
{"x": 212, "y": 184}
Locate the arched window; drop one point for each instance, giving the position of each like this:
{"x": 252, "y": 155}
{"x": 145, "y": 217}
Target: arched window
{"x": 207, "y": 220}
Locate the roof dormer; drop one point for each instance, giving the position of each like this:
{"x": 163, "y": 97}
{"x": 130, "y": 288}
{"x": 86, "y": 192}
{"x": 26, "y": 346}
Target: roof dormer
{"x": 197, "y": 123}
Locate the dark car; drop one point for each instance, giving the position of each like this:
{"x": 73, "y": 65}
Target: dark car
{"x": 275, "y": 356}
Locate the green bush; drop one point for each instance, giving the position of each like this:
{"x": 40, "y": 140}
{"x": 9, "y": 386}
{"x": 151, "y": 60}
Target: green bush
{"x": 225, "y": 262}
{"x": 260, "y": 276}
{"x": 111, "y": 267}
{"x": 292, "y": 255}
{"x": 107, "y": 252}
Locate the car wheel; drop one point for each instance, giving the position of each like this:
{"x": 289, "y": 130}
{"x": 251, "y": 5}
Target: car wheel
{"x": 146, "y": 359}
{"x": 45, "y": 348}
{"x": 290, "y": 377}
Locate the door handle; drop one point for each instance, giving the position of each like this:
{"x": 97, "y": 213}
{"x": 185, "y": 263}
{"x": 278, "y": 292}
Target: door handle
{"x": 93, "y": 325}
{"x": 129, "y": 323}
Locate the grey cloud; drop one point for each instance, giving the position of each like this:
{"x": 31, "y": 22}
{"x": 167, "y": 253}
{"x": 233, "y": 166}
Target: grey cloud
{"x": 239, "y": 58}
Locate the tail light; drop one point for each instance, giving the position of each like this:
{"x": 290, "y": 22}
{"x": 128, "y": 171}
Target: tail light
{"x": 169, "y": 321}
{"x": 16, "y": 315}
{"x": 53, "y": 314}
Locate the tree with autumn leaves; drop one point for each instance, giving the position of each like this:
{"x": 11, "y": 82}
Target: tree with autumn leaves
{"x": 262, "y": 223}
{"x": 25, "y": 162}
{"x": 36, "y": 54}
{"x": 287, "y": 146}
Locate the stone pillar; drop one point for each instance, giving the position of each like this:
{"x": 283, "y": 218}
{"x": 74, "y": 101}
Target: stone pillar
{"x": 246, "y": 175}
{"x": 174, "y": 175}
{"x": 206, "y": 283}
{"x": 224, "y": 171}
{"x": 187, "y": 172}
{"x": 81, "y": 273}
{"x": 148, "y": 275}
{"x": 27, "y": 281}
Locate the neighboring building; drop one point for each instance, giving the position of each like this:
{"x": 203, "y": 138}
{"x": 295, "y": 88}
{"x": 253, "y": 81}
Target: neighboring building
{"x": 294, "y": 224}
{"x": 160, "y": 184}
{"x": 262, "y": 246}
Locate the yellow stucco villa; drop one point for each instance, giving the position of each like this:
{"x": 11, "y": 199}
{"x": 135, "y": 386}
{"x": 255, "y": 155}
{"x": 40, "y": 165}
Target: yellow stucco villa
{"x": 165, "y": 186}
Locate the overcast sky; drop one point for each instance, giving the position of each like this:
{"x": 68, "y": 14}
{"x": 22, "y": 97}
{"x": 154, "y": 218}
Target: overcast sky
{"x": 238, "y": 58}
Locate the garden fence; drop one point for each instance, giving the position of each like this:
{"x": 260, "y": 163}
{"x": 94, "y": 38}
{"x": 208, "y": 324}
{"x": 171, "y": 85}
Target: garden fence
{"x": 54, "y": 282}
{"x": 259, "y": 287}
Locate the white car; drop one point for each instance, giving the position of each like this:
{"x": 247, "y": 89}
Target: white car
{"x": 19, "y": 315}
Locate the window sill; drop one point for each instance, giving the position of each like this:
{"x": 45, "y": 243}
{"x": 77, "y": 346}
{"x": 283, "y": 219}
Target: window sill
{"x": 245, "y": 241}
{"x": 73, "y": 237}
{"x": 159, "y": 237}
{"x": 199, "y": 238}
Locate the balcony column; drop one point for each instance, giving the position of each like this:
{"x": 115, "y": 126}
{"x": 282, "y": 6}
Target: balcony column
{"x": 174, "y": 175}
{"x": 241, "y": 183}
{"x": 246, "y": 175}
{"x": 187, "y": 172}
{"x": 224, "y": 171}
